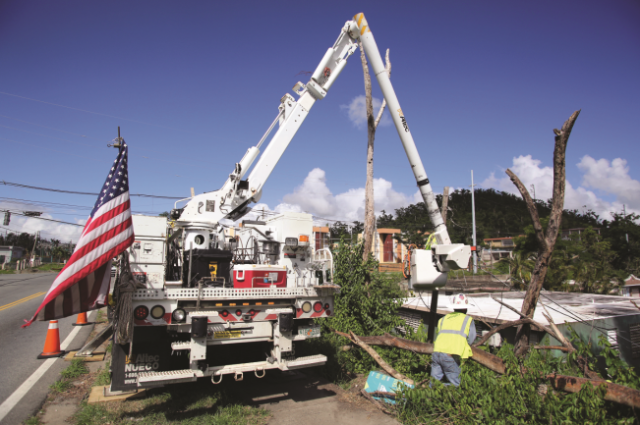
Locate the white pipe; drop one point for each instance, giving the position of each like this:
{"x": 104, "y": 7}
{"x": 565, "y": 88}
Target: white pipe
{"x": 375, "y": 60}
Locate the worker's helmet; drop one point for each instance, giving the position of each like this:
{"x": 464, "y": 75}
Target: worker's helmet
{"x": 460, "y": 302}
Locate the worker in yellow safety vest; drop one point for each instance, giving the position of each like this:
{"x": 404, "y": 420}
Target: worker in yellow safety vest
{"x": 456, "y": 331}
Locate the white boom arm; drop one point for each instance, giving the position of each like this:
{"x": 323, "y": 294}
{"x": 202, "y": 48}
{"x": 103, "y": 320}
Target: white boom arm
{"x": 231, "y": 201}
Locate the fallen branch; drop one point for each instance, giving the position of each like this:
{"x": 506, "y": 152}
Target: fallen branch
{"x": 571, "y": 384}
{"x": 384, "y": 365}
{"x": 488, "y": 360}
{"x": 375, "y": 402}
{"x": 503, "y": 326}
{"x": 581, "y": 361}
{"x": 383, "y": 394}
{"x": 551, "y": 347}
{"x": 616, "y": 393}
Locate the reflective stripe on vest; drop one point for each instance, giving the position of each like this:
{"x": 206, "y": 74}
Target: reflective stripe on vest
{"x": 453, "y": 330}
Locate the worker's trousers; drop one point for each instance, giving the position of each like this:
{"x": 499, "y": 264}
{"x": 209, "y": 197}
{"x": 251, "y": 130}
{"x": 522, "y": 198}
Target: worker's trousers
{"x": 443, "y": 364}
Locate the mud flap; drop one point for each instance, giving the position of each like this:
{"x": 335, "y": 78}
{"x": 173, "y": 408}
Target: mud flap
{"x": 148, "y": 356}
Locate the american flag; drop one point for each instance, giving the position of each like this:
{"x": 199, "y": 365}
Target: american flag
{"x": 83, "y": 283}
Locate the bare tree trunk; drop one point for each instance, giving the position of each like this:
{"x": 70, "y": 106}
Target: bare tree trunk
{"x": 546, "y": 242}
{"x": 369, "y": 215}
{"x": 445, "y": 204}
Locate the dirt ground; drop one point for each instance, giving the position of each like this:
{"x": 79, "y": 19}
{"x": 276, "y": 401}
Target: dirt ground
{"x": 290, "y": 397}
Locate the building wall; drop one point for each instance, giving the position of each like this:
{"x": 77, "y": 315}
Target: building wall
{"x": 623, "y": 332}
{"x": 11, "y": 253}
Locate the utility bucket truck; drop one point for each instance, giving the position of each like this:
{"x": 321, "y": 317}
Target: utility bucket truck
{"x": 213, "y": 299}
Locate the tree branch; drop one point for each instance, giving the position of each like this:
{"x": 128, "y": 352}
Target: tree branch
{"x": 486, "y": 359}
{"x": 559, "y": 172}
{"x": 531, "y": 206}
{"x": 384, "y": 101}
{"x": 551, "y": 347}
{"x": 384, "y": 365}
{"x": 375, "y": 402}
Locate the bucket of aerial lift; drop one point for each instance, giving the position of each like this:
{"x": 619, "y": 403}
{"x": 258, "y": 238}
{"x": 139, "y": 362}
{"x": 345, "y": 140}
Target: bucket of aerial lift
{"x": 259, "y": 276}
{"x": 424, "y": 271}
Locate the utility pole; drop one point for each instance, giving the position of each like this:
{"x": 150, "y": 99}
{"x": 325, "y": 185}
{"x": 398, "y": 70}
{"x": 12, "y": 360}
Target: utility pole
{"x": 624, "y": 211}
{"x": 473, "y": 218}
{"x": 33, "y": 251}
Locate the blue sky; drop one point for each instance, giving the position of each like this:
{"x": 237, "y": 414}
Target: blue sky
{"x": 194, "y": 84}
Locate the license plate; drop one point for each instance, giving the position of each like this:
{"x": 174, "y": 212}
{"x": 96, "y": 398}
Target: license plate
{"x": 309, "y": 331}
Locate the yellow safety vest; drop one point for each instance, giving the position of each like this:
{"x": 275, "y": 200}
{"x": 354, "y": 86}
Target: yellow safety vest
{"x": 453, "y": 330}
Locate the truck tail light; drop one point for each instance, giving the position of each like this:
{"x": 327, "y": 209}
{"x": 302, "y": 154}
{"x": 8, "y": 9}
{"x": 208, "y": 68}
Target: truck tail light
{"x": 141, "y": 312}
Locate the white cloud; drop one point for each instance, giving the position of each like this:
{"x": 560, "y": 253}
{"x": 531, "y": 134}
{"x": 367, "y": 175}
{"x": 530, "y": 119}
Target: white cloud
{"x": 612, "y": 178}
{"x": 315, "y": 197}
{"x": 48, "y": 230}
{"x": 357, "y": 111}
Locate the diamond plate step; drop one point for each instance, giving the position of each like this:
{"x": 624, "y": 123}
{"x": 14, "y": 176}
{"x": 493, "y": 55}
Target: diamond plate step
{"x": 307, "y": 361}
{"x": 169, "y": 377}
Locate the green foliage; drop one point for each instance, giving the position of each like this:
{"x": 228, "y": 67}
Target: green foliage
{"x": 592, "y": 261}
{"x": 75, "y": 369}
{"x": 60, "y": 386}
{"x": 366, "y": 303}
{"x": 586, "y": 259}
{"x": 104, "y": 376}
{"x": 34, "y": 420}
{"x": 514, "y": 398}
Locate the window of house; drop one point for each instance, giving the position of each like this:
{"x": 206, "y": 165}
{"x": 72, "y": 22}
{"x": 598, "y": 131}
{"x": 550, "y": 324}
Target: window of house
{"x": 634, "y": 334}
{"x": 612, "y": 337}
{"x": 507, "y": 242}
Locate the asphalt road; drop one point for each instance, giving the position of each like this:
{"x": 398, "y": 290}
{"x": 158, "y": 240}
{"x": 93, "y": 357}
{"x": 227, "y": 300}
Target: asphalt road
{"x": 20, "y": 296}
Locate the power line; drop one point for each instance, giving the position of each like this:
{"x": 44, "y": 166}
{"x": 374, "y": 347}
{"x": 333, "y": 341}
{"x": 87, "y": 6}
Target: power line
{"x": 88, "y": 112}
{"x": 49, "y": 219}
{"x": 45, "y": 204}
{"x": 6, "y": 183}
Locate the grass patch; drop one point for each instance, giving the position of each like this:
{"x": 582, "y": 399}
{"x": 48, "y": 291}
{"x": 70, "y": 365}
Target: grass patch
{"x": 60, "y": 386}
{"x": 104, "y": 377}
{"x": 7, "y": 271}
{"x": 193, "y": 404}
{"x": 34, "y": 420}
{"x": 50, "y": 267}
{"x": 75, "y": 369}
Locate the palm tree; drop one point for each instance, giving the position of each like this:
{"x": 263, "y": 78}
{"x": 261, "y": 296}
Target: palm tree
{"x": 520, "y": 266}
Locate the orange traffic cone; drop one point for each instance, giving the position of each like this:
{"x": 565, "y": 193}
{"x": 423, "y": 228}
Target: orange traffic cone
{"x": 52, "y": 343}
{"x": 82, "y": 320}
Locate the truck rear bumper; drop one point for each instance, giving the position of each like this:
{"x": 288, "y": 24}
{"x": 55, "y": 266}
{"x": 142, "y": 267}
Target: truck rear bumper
{"x": 153, "y": 379}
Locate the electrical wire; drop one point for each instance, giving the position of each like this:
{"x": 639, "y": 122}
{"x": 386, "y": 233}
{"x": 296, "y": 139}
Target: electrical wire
{"x": 49, "y": 219}
{"x": 87, "y": 111}
{"x": 6, "y": 183}
{"x": 46, "y": 205}
{"x": 89, "y": 145}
